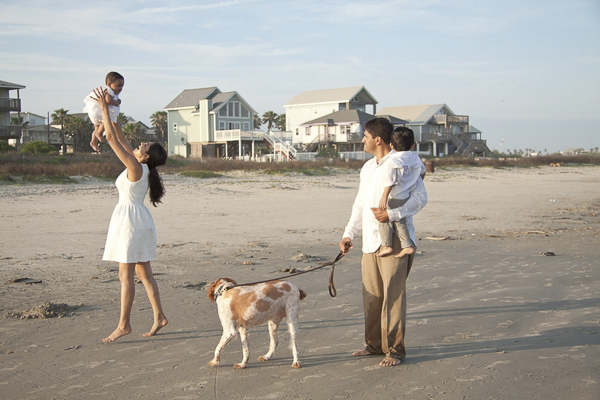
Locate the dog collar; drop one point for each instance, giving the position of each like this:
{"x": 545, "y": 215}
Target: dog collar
{"x": 220, "y": 290}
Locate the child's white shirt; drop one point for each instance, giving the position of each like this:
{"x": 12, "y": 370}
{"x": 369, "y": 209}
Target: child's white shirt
{"x": 403, "y": 169}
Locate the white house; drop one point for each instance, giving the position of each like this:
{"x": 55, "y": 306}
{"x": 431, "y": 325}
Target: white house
{"x": 342, "y": 130}
{"x": 439, "y": 131}
{"x": 208, "y": 123}
{"x": 311, "y": 105}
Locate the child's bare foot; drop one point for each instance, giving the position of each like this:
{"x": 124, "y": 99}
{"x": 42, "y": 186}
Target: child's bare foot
{"x": 158, "y": 325}
{"x": 117, "y": 334}
{"x": 94, "y": 144}
{"x": 405, "y": 252}
{"x": 384, "y": 251}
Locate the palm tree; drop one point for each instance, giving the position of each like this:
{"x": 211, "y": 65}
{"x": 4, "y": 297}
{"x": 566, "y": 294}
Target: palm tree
{"x": 280, "y": 122}
{"x": 59, "y": 117}
{"x": 122, "y": 119}
{"x": 133, "y": 134}
{"x": 19, "y": 121}
{"x": 160, "y": 121}
{"x": 256, "y": 121}
{"x": 80, "y": 130}
{"x": 270, "y": 119}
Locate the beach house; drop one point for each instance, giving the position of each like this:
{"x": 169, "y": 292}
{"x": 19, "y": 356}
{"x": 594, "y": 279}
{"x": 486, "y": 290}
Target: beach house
{"x": 342, "y": 130}
{"x": 8, "y": 132}
{"x": 206, "y": 122}
{"x": 310, "y": 107}
{"x": 439, "y": 131}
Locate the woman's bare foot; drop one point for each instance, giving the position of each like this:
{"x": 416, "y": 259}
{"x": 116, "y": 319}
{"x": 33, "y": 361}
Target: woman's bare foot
{"x": 405, "y": 252}
{"x": 117, "y": 334}
{"x": 362, "y": 353}
{"x": 390, "y": 362}
{"x": 158, "y": 325}
{"x": 384, "y": 251}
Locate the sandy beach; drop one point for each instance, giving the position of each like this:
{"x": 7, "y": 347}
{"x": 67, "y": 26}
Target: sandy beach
{"x": 503, "y": 297}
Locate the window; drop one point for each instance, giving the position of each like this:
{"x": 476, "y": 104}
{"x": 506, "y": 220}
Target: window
{"x": 223, "y": 111}
{"x": 174, "y": 126}
{"x": 221, "y": 125}
{"x": 307, "y": 131}
{"x": 344, "y": 129}
{"x": 297, "y": 132}
{"x": 246, "y": 126}
{"x": 244, "y": 112}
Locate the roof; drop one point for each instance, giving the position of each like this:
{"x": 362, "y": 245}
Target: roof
{"x": 420, "y": 114}
{"x": 8, "y": 85}
{"x": 342, "y": 95}
{"x": 348, "y": 117}
{"x": 190, "y": 97}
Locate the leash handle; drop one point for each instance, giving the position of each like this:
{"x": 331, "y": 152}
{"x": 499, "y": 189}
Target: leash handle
{"x": 332, "y": 291}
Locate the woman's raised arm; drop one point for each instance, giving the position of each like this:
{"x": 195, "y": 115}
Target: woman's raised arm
{"x": 117, "y": 141}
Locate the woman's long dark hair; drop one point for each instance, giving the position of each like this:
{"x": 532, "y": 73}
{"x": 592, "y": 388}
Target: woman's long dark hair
{"x": 157, "y": 156}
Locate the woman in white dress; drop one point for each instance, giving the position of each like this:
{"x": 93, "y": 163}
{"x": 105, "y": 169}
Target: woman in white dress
{"x": 131, "y": 239}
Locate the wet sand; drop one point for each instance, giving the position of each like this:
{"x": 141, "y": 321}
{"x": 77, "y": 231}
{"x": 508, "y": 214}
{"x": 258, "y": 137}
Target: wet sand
{"x": 489, "y": 315}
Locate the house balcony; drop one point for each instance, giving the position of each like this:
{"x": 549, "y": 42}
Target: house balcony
{"x": 10, "y": 105}
{"x": 10, "y": 132}
{"x": 238, "y": 134}
{"x": 450, "y": 120}
{"x": 436, "y": 137}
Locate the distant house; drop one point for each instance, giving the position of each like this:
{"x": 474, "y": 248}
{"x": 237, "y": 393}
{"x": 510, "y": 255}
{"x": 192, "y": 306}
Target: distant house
{"x": 209, "y": 123}
{"x": 342, "y": 130}
{"x": 310, "y": 106}
{"x": 9, "y": 104}
{"x": 438, "y": 131}
{"x": 30, "y": 118}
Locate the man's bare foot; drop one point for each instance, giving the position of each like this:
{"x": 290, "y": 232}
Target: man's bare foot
{"x": 405, "y": 252}
{"x": 362, "y": 353}
{"x": 390, "y": 362}
{"x": 117, "y": 334}
{"x": 158, "y": 325}
{"x": 384, "y": 251}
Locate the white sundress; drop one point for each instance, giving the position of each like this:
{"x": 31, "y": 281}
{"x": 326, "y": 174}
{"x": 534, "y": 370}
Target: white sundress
{"x": 93, "y": 110}
{"x": 131, "y": 234}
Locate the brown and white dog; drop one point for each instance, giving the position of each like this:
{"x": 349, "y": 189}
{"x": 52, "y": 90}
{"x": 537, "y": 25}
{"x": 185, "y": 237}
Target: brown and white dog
{"x": 241, "y": 307}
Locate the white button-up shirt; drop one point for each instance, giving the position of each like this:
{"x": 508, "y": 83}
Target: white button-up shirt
{"x": 370, "y": 190}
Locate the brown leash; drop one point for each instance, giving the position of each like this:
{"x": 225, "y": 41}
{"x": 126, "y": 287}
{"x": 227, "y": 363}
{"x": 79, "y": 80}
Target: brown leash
{"x": 332, "y": 291}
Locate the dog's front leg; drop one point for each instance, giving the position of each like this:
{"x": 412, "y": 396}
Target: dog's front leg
{"x": 245, "y": 350}
{"x": 274, "y": 341}
{"x": 228, "y": 334}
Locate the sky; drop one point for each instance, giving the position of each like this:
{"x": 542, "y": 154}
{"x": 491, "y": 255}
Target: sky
{"x": 526, "y": 72}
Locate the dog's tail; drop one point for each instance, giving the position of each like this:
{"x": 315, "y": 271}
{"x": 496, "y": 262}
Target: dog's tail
{"x": 302, "y": 294}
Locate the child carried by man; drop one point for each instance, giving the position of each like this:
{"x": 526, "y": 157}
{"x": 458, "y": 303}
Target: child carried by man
{"x": 403, "y": 170}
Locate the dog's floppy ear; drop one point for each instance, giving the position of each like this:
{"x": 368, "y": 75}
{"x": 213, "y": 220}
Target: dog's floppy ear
{"x": 211, "y": 290}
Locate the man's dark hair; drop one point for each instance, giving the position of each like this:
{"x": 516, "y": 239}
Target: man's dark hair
{"x": 113, "y": 76}
{"x": 403, "y": 138}
{"x": 380, "y": 127}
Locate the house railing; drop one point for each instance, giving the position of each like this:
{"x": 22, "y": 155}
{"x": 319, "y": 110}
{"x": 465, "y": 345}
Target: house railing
{"x": 435, "y": 137}
{"x": 275, "y": 139}
{"x": 237, "y": 134}
{"x": 443, "y": 119}
{"x": 13, "y": 131}
{"x": 10, "y": 104}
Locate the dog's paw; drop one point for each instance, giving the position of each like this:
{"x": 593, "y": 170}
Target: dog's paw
{"x": 297, "y": 365}
{"x": 213, "y": 363}
{"x": 264, "y": 358}
{"x": 239, "y": 366}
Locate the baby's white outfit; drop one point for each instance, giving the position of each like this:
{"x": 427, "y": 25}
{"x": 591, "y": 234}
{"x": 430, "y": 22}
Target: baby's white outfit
{"x": 92, "y": 108}
{"x": 131, "y": 234}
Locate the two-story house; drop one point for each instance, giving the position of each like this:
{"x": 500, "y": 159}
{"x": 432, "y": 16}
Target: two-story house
{"x": 209, "y": 123}
{"x": 312, "y": 105}
{"x": 342, "y": 130}
{"x": 439, "y": 131}
{"x": 9, "y": 104}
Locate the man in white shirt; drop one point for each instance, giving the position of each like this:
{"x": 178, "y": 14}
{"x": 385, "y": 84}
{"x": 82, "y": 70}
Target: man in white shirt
{"x": 383, "y": 278}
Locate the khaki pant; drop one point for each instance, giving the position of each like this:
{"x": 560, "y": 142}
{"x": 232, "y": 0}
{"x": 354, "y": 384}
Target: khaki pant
{"x": 384, "y": 301}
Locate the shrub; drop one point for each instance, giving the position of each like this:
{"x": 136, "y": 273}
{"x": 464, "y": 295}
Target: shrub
{"x": 38, "y": 147}
{"x": 327, "y": 152}
{"x": 5, "y": 147}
